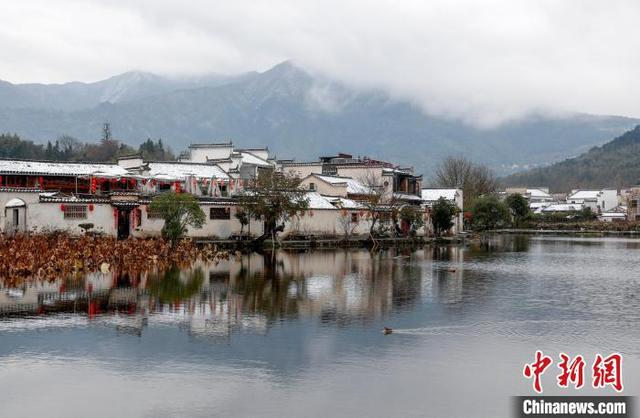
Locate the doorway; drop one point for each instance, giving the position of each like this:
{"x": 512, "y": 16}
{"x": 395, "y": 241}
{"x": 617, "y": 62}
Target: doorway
{"x": 124, "y": 223}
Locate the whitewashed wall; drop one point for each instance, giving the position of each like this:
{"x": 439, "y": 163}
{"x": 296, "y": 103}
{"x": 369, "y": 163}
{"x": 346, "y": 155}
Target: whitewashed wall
{"x": 323, "y": 222}
{"x": 213, "y": 228}
{"x": 303, "y": 171}
{"x": 324, "y": 188}
{"x": 45, "y": 217}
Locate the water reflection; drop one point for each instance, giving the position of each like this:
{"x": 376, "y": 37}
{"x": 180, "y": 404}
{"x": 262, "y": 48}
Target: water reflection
{"x": 301, "y": 331}
{"x": 251, "y": 291}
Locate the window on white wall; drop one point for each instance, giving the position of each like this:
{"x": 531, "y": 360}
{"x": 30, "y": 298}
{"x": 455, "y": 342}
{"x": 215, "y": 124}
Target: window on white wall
{"x": 219, "y": 213}
{"x": 75, "y": 212}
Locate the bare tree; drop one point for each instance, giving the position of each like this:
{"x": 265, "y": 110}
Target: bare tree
{"x": 346, "y": 224}
{"x": 474, "y": 179}
{"x": 379, "y": 202}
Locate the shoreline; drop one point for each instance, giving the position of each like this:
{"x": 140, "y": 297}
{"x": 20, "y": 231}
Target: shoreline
{"x": 516, "y": 231}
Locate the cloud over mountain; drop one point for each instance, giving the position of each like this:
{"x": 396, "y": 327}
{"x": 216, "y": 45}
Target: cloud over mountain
{"x": 484, "y": 62}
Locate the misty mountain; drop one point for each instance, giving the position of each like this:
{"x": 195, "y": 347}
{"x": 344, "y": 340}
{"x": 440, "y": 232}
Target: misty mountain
{"x": 297, "y": 115}
{"x": 614, "y": 164}
{"x": 124, "y": 87}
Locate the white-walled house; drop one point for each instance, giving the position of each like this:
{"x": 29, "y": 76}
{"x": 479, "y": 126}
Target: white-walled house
{"x": 110, "y": 198}
{"x": 114, "y": 199}
{"x": 597, "y": 200}
{"x": 455, "y": 196}
{"x": 617, "y": 214}
{"x": 334, "y": 186}
{"x": 329, "y": 216}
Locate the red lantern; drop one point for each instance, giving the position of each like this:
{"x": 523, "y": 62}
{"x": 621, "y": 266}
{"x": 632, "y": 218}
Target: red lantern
{"x": 154, "y": 182}
{"x": 123, "y": 180}
{"x": 144, "y": 182}
{"x": 91, "y": 207}
{"x": 62, "y": 207}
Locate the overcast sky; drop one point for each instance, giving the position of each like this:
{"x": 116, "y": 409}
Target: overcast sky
{"x": 482, "y": 61}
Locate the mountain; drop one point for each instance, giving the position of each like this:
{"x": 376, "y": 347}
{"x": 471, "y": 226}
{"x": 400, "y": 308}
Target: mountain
{"x": 614, "y": 164}
{"x": 124, "y": 87}
{"x": 293, "y": 112}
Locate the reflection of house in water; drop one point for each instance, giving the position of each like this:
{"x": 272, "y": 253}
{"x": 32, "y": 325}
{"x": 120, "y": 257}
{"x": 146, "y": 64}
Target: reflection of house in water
{"x": 247, "y": 293}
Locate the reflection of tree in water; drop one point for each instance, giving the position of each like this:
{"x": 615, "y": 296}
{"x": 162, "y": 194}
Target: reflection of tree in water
{"x": 405, "y": 279}
{"x": 169, "y": 286}
{"x": 267, "y": 292}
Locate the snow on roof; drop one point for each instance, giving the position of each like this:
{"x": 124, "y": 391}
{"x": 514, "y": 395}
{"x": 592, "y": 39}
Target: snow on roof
{"x": 249, "y": 158}
{"x": 538, "y": 205}
{"x": 353, "y": 185}
{"x": 15, "y": 203}
{"x": 613, "y": 215}
{"x": 60, "y": 168}
{"x": 317, "y": 201}
{"x": 343, "y": 203}
{"x": 584, "y": 194}
{"x": 405, "y": 196}
{"x": 431, "y": 195}
{"x": 180, "y": 171}
{"x": 538, "y": 193}
{"x": 562, "y": 207}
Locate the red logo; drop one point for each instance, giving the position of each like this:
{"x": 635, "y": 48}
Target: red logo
{"x": 572, "y": 371}
{"x": 536, "y": 369}
{"x": 606, "y": 371}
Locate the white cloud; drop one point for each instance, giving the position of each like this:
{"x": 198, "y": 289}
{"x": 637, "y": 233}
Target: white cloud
{"x": 482, "y": 61}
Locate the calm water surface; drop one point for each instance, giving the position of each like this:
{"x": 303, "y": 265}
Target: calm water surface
{"x": 299, "y": 334}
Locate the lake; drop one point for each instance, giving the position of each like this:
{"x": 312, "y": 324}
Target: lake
{"x": 300, "y": 333}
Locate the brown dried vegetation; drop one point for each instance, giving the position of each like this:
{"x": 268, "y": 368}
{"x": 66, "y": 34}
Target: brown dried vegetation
{"x": 55, "y": 256}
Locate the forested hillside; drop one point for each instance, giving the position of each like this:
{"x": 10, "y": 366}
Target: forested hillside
{"x": 614, "y": 164}
{"x": 67, "y": 148}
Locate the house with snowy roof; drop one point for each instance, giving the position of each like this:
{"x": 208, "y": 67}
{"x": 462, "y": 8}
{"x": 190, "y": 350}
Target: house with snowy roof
{"x": 244, "y": 164}
{"x": 393, "y": 182}
{"x": 335, "y": 186}
{"x": 110, "y": 198}
{"x": 597, "y": 200}
{"x": 432, "y": 195}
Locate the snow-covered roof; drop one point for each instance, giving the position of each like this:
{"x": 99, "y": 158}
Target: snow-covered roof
{"x": 180, "y": 171}
{"x": 538, "y": 205}
{"x": 584, "y": 194}
{"x": 15, "y": 203}
{"x": 249, "y": 158}
{"x": 431, "y": 195}
{"x": 405, "y": 196}
{"x": 562, "y": 207}
{"x": 353, "y": 185}
{"x": 60, "y": 168}
{"x": 317, "y": 201}
{"x": 613, "y": 215}
{"x": 343, "y": 203}
{"x": 538, "y": 194}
